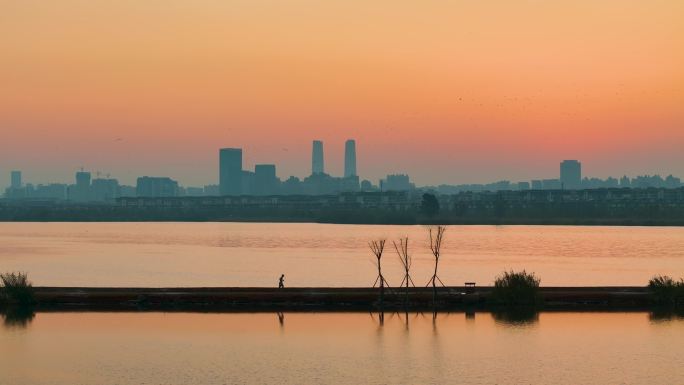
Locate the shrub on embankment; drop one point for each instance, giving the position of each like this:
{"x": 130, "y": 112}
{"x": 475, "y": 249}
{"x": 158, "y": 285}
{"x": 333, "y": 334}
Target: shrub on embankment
{"x": 516, "y": 289}
{"x": 16, "y": 289}
{"x": 665, "y": 291}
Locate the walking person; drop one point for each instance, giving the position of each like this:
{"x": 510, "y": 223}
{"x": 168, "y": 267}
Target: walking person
{"x": 281, "y": 282}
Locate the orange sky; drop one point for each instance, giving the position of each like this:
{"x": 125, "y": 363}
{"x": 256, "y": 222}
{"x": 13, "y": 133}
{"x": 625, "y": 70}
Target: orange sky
{"x": 447, "y": 91}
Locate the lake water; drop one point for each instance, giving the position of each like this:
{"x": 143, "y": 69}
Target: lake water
{"x": 255, "y": 254}
{"x": 341, "y": 348}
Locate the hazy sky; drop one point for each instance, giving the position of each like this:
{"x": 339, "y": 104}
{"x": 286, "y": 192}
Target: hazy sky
{"x": 447, "y": 91}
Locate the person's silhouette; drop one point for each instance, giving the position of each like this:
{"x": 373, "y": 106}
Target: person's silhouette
{"x": 281, "y": 281}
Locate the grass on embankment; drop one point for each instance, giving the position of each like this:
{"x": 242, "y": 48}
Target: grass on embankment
{"x": 516, "y": 289}
{"x": 666, "y": 291}
{"x": 16, "y": 289}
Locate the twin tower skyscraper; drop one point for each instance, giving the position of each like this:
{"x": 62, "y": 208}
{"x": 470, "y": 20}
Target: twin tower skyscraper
{"x": 318, "y": 160}
{"x": 233, "y": 180}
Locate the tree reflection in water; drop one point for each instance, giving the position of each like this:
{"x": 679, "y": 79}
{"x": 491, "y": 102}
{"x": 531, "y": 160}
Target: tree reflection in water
{"x": 516, "y": 315}
{"x": 17, "y": 317}
{"x": 666, "y": 314}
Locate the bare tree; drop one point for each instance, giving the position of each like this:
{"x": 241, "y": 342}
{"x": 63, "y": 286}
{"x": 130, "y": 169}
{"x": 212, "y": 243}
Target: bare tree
{"x": 377, "y": 247}
{"x": 405, "y": 258}
{"x": 436, "y": 237}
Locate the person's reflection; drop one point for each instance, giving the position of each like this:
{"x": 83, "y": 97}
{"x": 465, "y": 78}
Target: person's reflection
{"x": 281, "y": 319}
{"x": 18, "y": 317}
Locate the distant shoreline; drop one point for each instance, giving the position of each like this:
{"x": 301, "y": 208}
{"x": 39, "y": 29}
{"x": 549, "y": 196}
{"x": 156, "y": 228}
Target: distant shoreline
{"x": 483, "y": 222}
{"x": 605, "y": 207}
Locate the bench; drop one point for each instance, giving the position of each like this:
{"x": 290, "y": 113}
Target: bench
{"x": 469, "y": 287}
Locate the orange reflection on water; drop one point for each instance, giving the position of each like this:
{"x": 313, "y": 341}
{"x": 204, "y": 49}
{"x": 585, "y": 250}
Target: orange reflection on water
{"x": 341, "y": 348}
{"x": 309, "y": 254}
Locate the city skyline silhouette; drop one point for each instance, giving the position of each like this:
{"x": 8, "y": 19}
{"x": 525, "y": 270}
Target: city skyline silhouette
{"x": 235, "y": 179}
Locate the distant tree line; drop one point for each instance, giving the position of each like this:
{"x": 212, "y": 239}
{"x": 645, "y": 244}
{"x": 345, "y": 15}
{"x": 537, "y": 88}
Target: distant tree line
{"x": 427, "y": 211}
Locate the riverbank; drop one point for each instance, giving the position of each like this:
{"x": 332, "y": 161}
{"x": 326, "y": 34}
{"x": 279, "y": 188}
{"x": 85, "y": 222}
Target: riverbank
{"x": 288, "y": 299}
{"x": 606, "y": 207}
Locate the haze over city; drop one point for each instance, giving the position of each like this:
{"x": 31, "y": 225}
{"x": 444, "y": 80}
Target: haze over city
{"x": 458, "y": 92}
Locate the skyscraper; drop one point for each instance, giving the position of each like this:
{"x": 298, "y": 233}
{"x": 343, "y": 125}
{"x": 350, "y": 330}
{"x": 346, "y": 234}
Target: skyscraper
{"x": 350, "y": 158}
{"x": 265, "y": 180}
{"x": 230, "y": 171}
{"x": 150, "y": 186}
{"x": 81, "y": 191}
{"x": 571, "y": 174}
{"x": 83, "y": 179}
{"x": 16, "y": 179}
{"x": 317, "y": 165}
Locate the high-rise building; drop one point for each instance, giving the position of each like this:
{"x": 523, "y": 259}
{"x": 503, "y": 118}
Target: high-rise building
{"x": 81, "y": 191}
{"x": 571, "y": 174}
{"x": 127, "y": 191}
{"x": 265, "y": 180}
{"x": 104, "y": 190}
{"x": 149, "y": 186}
{"x": 317, "y": 164}
{"x": 83, "y": 179}
{"x": 350, "y": 158}
{"x": 211, "y": 190}
{"x": 396, "y": 182}
{"x": 16, "y": 179}
{"x": 56, "y": 191}
{"x": 625, "y": 182}
{"x": 551, "y": 184}
{"x": 230, "y": 171}
{"x": 537, "y": 184}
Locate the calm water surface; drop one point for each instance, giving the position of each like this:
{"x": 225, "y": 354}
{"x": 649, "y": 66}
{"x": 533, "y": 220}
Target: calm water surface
{"x": 346, "y": 348}
{"x": 255, "y": 254}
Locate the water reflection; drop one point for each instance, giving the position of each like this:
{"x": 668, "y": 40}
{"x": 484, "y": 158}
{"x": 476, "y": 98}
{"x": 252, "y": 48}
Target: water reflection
{"x": 64, "y": 254}
{"x": 666, "y": 314}
{"x": 281, "y": 319}
{"x": 379, "y": 318}
{"x": 17, "y": 317}
{"x": 516, "y": 316}
{"x": 340, "y": 348}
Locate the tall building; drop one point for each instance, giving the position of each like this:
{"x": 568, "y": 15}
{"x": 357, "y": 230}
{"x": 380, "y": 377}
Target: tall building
{"x": 265, "y": 180}
{"x": 83, "y": 179}
{"x": 16, "y": 179}
{"x": 104, "y": 190}
{"x": 317, "y": 164}
{"x": 80, "y": 192}
{"x": 211, "y": 190}
{"x": 396, "y": 182}
{"x": 149, "y": 186}
{"x": 56, "y": 191}
{"x": 16, "y": 190}
{"x": 571, "y": 174}
{"x": 230, "y": 171}
{"x": 127, "y": 191}
{"x": 625, "y": 182}
{"x": 551, "y": 184}
{"x": 350, "y": 158}
{"x": 537, "y": 184}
